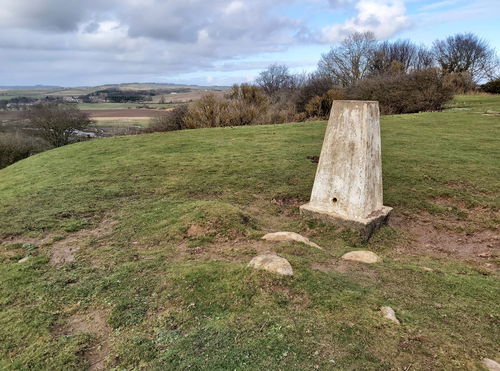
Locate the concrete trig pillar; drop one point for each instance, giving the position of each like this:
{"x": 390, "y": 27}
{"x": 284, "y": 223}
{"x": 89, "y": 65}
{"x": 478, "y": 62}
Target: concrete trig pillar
{"x": 347, "y": 189}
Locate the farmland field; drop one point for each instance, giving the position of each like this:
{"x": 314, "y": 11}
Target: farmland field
{"x": 120, "y": 106}
{"x": 125, "y": 113}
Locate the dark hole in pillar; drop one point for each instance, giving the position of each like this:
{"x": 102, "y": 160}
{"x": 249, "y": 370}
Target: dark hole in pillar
{"x": 334, "y": 199}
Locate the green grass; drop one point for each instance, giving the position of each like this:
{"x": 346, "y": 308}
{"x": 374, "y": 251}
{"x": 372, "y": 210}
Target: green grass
{"x": 476, "y": 103}
{"x": 173, "y": 299}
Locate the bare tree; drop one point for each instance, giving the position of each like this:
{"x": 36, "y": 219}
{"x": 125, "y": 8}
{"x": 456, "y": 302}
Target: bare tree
{"x": 401, "y": 56}
{"x": 466, "y": 53}
{"x": 424, "y": 59}
{"x": 57, "y": 122}
{"x": 397, "y": 56}
{"x": 275, "y": 78}
{"x": 350, "y": 61}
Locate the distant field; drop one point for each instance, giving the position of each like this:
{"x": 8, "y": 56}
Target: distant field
{"x": 123, "y": 122}
{"x": 120, "y": 106}
{"x": 9, "y": 96}
{"x": 9, "y": 115}
{"x": 123, "y": 113}
{"x": 102, "y": 114}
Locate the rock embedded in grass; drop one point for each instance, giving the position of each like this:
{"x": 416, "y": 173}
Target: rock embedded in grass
{"x": 491, "y": 365}
{"x": 272, "y": 263}
{"x": 389, "y": 313}
{"x": 290, "y": 236}
{"x": 362, "y": 256}
{"x": 25, "y": 259}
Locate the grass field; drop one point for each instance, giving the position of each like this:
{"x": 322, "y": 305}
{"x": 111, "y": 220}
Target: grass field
{"x": 137, "y": 249}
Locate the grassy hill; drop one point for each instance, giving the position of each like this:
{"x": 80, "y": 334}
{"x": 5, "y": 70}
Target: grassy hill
{"x": 137, "y": 250}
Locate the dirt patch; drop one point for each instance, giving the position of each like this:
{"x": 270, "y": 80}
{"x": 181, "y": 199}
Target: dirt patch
{"x": 287, "y": 200}
{"x": 65, "y": 251}
{"x": 94, "y": 323}
{"x": 446, "y": 237}
{"x": 288, "y": 204}
{"x": 196, "y": 230}
{"x": 26, "y": 240}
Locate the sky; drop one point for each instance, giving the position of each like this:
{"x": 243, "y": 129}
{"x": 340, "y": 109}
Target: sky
{"x": 208, "y": 42}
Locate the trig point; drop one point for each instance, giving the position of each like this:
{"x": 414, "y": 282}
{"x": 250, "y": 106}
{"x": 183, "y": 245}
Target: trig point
{"x": 347, "y": 190}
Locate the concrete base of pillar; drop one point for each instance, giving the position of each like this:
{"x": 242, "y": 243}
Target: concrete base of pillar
{"x": 365, "y": 227}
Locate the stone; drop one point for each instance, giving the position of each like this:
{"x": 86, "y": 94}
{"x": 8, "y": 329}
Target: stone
{"x": 272, "y": 263}
{"x": 389, "y": 313}
{"x": 289, "y": 236}
{"x": 23, "y": 260}
{"x": 427, "y": 269}
{"x": 491, "y": 365}
{"x": 362, "y": 256}
{"x": 347, "y": 190}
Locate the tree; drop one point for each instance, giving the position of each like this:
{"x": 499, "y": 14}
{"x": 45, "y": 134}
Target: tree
{"x": 424, "y": 59}
{"x": 466, "y": 53}
{"x": 492, "y": 86}
{"x": 313, "y": 85}
{"x": 350, "y": 61}
{"x": 275, "y": 79}
{"x": 57, "y": 123}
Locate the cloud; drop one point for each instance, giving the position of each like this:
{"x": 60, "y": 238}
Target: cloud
{"x": 154, "y": 36}
{"x": 49, "y": 15}
{"x": 80, "y": 41}
{"x": 382, "y": 17}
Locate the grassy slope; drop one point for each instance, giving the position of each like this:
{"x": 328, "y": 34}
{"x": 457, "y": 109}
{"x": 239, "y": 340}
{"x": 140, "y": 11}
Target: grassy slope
{"x": 173, "y": 298}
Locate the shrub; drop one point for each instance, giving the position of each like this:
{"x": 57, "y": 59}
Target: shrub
{"x": 320, "y": 106}
{"x": 280, "y": 113}
{"x": 248, "y": 105}
{"x": 15, "y": 147}
{"x": 173, "y": 120}
{"x": 243, "y": 105}
{"x": 460, "y": 83}
{"x": 492, "y": 87}
{"x": 250, "y": 94}
{"x": 314, "y": 85}
{"x": 423, "y": 90}
{"x": 208, "y": 112}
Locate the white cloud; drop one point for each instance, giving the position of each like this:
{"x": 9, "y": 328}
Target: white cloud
{"x": 382, "y": 17}
{"x": 234, "y": 7}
